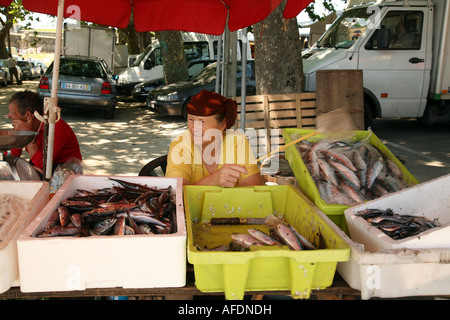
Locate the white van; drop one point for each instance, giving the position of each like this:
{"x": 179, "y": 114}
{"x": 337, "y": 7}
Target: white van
{"x": 149, "y": 65}
{"x": 403, "y": 49}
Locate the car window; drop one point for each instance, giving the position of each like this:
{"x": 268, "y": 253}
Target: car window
{"x": 79, "y": 68}
{"x": 206, "y": 75}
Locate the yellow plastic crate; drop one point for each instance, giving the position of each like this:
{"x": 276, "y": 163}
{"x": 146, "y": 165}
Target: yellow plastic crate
{"x": 262, "y": 268}
{"x": 334, "y": 211}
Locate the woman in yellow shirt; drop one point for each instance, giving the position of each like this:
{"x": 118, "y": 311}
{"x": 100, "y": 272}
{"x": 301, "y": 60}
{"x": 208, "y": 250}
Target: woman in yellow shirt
{"x": 208, "y": 153}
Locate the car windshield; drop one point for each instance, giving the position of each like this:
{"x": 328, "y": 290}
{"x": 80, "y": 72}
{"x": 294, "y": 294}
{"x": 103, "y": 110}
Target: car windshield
{"x": 23, "y": 63}
{"x": 208, "y": 74}
{"x": 79, "y": 68}
{"x": 346, "y": 29}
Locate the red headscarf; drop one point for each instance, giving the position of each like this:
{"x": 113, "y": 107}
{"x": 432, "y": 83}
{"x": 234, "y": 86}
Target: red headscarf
{"x": 208, "y": 103}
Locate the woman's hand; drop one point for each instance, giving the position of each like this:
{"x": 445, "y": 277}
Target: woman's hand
{"x": 227, "y": 175}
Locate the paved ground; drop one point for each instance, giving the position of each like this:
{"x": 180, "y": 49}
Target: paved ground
{"x": 137, "y": 135}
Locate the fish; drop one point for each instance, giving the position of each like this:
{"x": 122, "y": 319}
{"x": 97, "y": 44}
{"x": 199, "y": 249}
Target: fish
{"x": 305, "y": 243}
{"x": 145, "y": 228}
{"x": 339, "y": 157}
{"x": 361, "y": 166}
{"x": 119, "y": 226}
{"x": 395, "y": 225}
{"x": 128, "y": 230}
{"x": 245, "y": 240}
{"x": 104, "y": 226}
{"x": 263, "y": 237}
{"x": 346, "y": 173}
{"x": 144, "y": 218}
{"x": 53, "y": 220}
{"x": 75, "y": 218}
{"x": 57, "y": 231}
{"x": 64, "y": 216}
{"x": 97, "y": 212}
{"x": 354, "y": 194}
{"x": 78, "y": 205}
{"x": 328, "y": 171}
{"x": 289, "y": 237}
{"x": 373, "y": 171}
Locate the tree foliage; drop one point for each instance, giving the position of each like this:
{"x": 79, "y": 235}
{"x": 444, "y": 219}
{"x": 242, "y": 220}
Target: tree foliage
{"x": 8, "y": 16}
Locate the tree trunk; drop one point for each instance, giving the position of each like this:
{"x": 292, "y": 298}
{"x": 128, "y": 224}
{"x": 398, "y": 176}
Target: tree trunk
{"x": 278, "y": 60}
{"x": 174, "y": 58}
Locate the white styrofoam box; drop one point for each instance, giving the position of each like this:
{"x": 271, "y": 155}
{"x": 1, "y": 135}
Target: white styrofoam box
{"x": 429, "y": 199}
{"x": 396, "y": 273}
{"x": 37, "y": 193}
{"x": 77, "y": 263}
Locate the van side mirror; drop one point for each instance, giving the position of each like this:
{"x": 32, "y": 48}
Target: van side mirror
{"x": 383, "y": 39}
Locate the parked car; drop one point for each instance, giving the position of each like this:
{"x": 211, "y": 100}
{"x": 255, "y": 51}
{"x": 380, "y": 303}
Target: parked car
{"x": 172, "y": 99}
{"x": 84, "y": 83}
{"x": 141, "y": 90}
{"x": 4, "y": 67}
{"x": 42, "y": 67}
{"x": 35, "y": 69}
{"x": 26, "y": 68}
{"x": 3, "y": 78}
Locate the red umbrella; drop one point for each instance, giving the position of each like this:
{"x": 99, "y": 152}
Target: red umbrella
{"x": 204, "y": 16}
{"x": 5, "y": 3}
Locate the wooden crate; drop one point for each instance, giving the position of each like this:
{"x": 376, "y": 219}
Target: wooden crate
{"x": 269, "y": 114}
{"x": 341, "y": 89}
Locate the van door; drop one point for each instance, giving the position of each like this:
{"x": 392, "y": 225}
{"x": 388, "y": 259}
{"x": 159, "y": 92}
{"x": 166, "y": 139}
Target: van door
{"x": 151, "y": 67}
{"x": 396, "y": 75}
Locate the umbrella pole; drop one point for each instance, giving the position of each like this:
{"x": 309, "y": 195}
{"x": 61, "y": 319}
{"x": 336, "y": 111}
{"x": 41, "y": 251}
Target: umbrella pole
{"x": 53, "y": 109}
{"x": 243, "y": 76}
{"x": 218, "y": 66}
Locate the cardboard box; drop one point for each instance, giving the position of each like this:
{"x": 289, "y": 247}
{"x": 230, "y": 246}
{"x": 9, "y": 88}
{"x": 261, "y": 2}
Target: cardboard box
{"x": 77, "y": 263}
{"x": 37, "y": 193}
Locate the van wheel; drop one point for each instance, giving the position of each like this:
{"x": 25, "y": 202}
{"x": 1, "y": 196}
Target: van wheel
{"x": 109, "y": 113}
{"x": 368, "y": 115}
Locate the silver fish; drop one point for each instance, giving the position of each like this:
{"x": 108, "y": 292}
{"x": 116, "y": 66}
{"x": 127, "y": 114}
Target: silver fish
{"x": 373, "y": 171}
{"x": 355, "y": 195}
{"x": 328, "y": 171}
{"x": 346, "y": 173}
{"x": 104, "y": 226}
{"x": 145, "y": 218}
{"x": 289, "y": 237}
{"x": 263, "y": 237}
{"x": 245, "y": 240}
{"x": 339, "y": 157}
{"x": 145, "y": 228}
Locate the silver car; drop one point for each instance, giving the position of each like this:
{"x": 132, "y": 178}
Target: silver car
{"x": 84, "y": 83}
{"x": 4, "y": 67}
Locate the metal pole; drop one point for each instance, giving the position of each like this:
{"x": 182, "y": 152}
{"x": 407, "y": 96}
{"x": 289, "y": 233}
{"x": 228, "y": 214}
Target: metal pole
{"x": 52, "y": 112}
{"x": 244, "y": 76}
{"x": 219, "y": 59}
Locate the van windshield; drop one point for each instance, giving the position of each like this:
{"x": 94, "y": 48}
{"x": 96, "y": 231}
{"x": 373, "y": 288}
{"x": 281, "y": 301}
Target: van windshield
{"x": 346, "y": 29}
